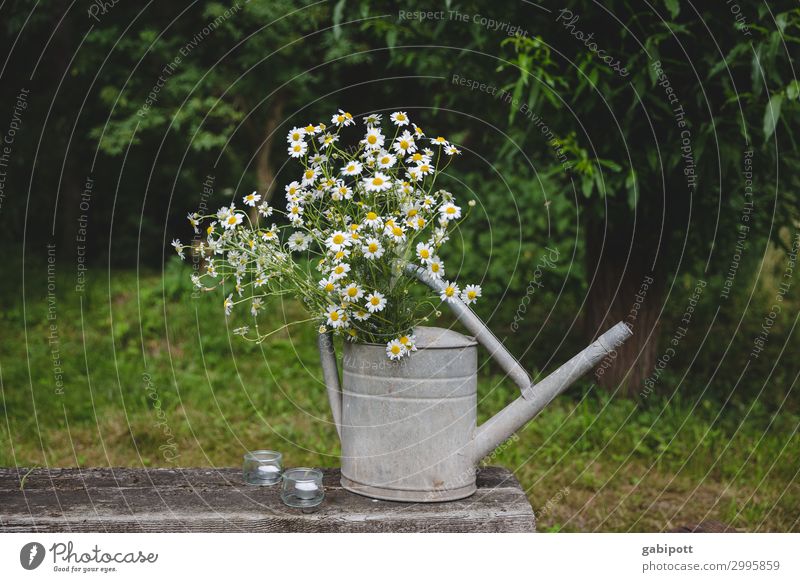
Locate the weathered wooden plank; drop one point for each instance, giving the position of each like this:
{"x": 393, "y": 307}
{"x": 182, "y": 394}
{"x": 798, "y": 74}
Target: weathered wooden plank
{"x": 210, "y": 500}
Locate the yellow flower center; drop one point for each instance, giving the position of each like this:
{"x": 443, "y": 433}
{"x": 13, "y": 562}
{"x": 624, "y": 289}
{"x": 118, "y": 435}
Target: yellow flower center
{"x": 424, "y": 168}
{"x": 377, "y": 181}
{"x": 372, "y": 140}
{"x": 340, "y": 118}
{"x": 404, "y": 144}
{"x": 371, "y": 216}
{"x": 329, "y": 287}
{"x": 297, "y": 147}
{"x": 449, "y": 291}
{"x": 338, "y": 239}
{"x": 416, "y": 157}
{"x": 395, "y": 349}
{"x": 397, "y": 231}
{"x": 435, "y": 267}
{"x": 424, "y": 253}
{"x": 412, "y": 212}
{"x": 401, "y": 117}
{"x": 471, "y": 294}
{"x": 373, "y": 247}
{"x": 404, "y": 340}
{"x": 352, "y": 291}
{"x": 232, "y": 219}
{"x": 334, "y": 315}
{"x": 339, "y": 270}
{"x": 309, "y": 174}
{"x": 450, "y": 210}
{"x": 385, "y": 159}
{"x": 310, "y": 128}
{"x": 375, "y": 301}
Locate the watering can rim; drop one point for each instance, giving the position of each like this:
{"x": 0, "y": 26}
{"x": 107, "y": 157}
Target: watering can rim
{"x": 426, "y": 334}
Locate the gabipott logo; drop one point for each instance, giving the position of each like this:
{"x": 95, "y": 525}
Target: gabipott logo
{"x": 31, "y": 555}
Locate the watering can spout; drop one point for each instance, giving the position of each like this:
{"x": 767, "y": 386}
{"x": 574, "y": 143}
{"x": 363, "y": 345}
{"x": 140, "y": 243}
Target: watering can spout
{"x": 535, "y": 397}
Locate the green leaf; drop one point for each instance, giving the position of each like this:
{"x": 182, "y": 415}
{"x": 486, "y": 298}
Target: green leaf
{"x": 793, "y": 90}
{"x": 772, "y": 114}
{"x": 673, "y": 6}
{"x": 338, "y": 11}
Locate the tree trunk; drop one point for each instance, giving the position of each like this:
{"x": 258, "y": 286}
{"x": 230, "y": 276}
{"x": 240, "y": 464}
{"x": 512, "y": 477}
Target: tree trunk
{"x": 624, "y": 285}
{"x": 265, "y": 173}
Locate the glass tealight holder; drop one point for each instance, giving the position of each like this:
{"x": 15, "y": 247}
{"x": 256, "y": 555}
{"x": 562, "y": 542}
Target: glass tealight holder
{"x": 302, "y": 487}
{"x": 262, "y": 467}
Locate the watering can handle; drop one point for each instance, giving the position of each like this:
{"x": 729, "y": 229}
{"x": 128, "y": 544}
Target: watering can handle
{"x": 330, "y": 373}
{"x": 478, "y": 329}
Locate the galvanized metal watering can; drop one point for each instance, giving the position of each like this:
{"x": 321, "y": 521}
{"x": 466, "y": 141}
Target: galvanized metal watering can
{"x": 409, "y": 429}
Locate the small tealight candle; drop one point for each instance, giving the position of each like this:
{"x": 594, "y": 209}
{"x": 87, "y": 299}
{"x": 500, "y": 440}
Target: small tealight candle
{"x": 262, "y": 467}
{"x": 306, "y": 490}
{"x": 302, "y": 487}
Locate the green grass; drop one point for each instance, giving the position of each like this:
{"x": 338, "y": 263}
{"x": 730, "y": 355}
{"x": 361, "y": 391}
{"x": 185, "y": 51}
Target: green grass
{"x": 589, "y": 462}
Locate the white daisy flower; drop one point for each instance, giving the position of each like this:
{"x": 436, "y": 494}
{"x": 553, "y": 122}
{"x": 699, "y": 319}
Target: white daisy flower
{"x": 372, "y": 220}
{"x": 372, "y": 248}
{"x": 338, "y": 240}
{"x": 295, "y": 134}
{"x": 233, "y": 220}
{"x": 377, "y": 183}
{"x": 352, "y": 293}
{"x": 373, "y": 119}
{"x": 418, "y": 158}
{"x": 352, "y": 168}
{"x": 436, "y": 268}
{"x": 342, "y": 119}
{"x": 449, "y": 211}
{"x": 471, "y": 294}
{"x": 252, "y": 199}
{"x": 404, "y": 144}
{"x": 440, "y": 141}
{"x": 361, "y": 315}
{"x": 176, "y": 244}
{"x": 375, "y": 302}
{"x": 395, "y": 232}
{"x": 425, "y": 169}
{"x": 298, "y": 241}
{"x": 310, "y": 176}
{"x": 270, "y": 234}
{"x": 386, "y": 160}
{"x": 228, "y": 304}
{"x": 409, "y": 342}
{"x": 194, "y": 220}
{"x": 328, "y": 284}
{"x": 339, "y": 271}
{"x": 293, "y": 190}
{"x": 312, "y": 129}
{"x": 265, "y": 210}
{"x": 317, "y": 159}
{"x": 341, "y": 192}
{"x": 424, "y": 252}
{"x": 452, "y": 150}
{"x": 335, "y": 316}
{"x": 418, "y": 130}
{"x": 450, "y": 292}
{"x": 328, "y": 139}
{"x": 395, "y": 350}
{"x": 373, "y": 140}
{"x": 297, "y": 149}
{"x": 414, "y": 174}
{"x": 399, "y": 118}
{"x": 256, "y": 306}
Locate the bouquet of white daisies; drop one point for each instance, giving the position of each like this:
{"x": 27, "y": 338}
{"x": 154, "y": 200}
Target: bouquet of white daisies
{"x": 356, "y": 218}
